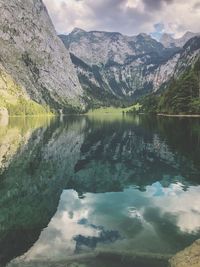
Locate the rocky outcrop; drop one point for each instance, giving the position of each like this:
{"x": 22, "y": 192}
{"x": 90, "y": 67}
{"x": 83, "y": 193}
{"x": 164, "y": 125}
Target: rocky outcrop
{"x": 33, "y": 55}
{"x": 189, "y": 257}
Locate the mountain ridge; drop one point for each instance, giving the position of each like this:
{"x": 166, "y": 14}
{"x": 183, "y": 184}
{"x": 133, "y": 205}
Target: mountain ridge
{"x": 110, "y": 52}
{"x": 168, "y": 41}
{"x": 125, "y": 67}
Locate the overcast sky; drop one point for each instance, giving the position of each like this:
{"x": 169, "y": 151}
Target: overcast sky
{"x": 126, "y": 16}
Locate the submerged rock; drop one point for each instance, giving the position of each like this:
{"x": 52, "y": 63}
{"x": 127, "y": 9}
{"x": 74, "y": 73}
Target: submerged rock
{"x": 189, "y": 257}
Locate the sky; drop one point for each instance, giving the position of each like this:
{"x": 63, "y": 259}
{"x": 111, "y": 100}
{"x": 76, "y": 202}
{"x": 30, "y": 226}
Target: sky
{"x": 129, "y": 17}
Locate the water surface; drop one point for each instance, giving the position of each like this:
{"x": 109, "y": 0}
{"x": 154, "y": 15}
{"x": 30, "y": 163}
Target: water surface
{"x": 103, "y": 191}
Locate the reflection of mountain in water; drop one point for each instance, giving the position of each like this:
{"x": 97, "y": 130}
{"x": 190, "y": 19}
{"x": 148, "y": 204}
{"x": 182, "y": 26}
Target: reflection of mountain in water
{"x": 87, "y": 156}
{"x": 14, "y": 138}
{"x": 116, "y": 155}
{"x": 31, "y": 186}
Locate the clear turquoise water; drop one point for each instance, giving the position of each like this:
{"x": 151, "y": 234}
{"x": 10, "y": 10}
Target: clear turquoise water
{"x": 119, "y": 186}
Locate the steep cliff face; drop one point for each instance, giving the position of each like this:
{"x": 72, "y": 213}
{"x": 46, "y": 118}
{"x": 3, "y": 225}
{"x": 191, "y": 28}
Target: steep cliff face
{"x": 35, "y": 57}
{"x": 188, "y": 56}
{"x": 125, "y": 67}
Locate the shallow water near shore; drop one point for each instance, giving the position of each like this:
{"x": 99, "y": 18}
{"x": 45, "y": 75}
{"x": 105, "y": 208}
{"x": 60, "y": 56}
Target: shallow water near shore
{"x": 117, "y": 190}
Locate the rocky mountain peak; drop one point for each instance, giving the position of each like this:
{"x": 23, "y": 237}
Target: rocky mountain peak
{"x": 77, "y": 30}
{"x": 108, "y": 46}
{"x": 144, "y": 35}
{"x": 169, "y": 41}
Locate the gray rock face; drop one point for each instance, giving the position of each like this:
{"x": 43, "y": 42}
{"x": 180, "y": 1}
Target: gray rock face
{"x": 188, "y": 56}
{"x": 34, "y": 56}
{"x": 125, "y": 67}
{"x": 168, "y": 41}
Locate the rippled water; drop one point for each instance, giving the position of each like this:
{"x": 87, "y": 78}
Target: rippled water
{"x": 98, "y": 191}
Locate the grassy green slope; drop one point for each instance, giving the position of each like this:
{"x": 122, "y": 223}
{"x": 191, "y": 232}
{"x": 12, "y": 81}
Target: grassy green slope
{"x": 114, "y": 110}
{"x": 15, "y": 102}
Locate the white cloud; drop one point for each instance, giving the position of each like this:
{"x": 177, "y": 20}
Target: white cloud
{"x": 126, "y": 16}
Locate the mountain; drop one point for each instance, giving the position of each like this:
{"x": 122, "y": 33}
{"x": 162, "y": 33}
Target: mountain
{"x": 35, "y": 67}
{"x": 117, "y": 67}
{"x": 168, "y": 41}
{"x": 37, "y": 75}
{"x": 182, "y": 95}
{"x": 111, "y": 64}
{"x": 106, "y": 46}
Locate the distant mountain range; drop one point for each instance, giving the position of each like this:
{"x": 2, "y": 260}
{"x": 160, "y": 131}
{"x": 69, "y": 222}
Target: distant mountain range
{"x": 38, "y": 73}
{"x": 127, "y": 67}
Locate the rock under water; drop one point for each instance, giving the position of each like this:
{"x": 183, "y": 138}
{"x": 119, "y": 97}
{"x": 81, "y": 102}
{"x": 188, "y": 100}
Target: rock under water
{"x": 189, "y": 257}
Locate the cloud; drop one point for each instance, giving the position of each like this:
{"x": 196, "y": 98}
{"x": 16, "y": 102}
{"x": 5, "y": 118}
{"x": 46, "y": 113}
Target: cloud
{"x": 196, "y": 5}
{"x": 126, "y": 16}
{"x": 159, "y": 27}
{"x": 159, "y": 30}
{"x": 156, "y": 4}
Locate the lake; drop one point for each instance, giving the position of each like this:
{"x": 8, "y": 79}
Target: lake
{"x": 104, "y": 191}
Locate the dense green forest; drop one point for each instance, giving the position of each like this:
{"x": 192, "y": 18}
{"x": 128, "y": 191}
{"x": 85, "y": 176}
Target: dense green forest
{"x": 181, "y": 97}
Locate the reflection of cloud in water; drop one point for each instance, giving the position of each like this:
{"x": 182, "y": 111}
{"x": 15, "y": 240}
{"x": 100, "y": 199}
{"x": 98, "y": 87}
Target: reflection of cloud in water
{"x": 184, "y": 204}
{"x": 57, "y": 239}
{"x": 122, "y": 220}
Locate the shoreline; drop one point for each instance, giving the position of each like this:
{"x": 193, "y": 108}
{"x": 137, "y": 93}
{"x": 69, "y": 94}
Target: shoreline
{"x": 189, "y": 257}
{"x": 96, "y": 113}
{"x": 179, "y": 115}
{"x": 103, "y": 257}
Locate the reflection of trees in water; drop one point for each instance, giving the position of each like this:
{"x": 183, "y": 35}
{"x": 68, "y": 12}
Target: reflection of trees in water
{"x": 182, "y": 135}
{"x": 14, "y": 135}
{"x": 118, "y": 154}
